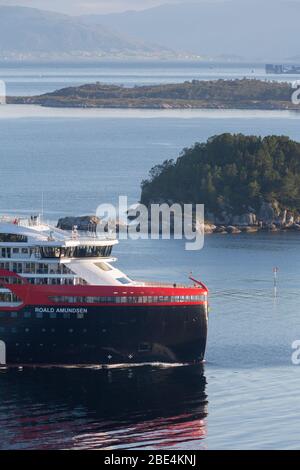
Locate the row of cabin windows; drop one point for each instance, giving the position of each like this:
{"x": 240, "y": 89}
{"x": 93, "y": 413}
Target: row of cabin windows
{"x": 66, "y": 316}
{"x": 13, "y": 238}
{"x": 35, "y": 268}
{"x": 125, "y": 300}
{"x": 40, "y": 281}
{"x": 59, "y": 252}
{"x": 11, "y": 252}
{"x": 42, "y": 315}
{"x": 10, "y": 280}
{"x": 8, "y": 252}
{"x": 76, "y": 252}
{"x": 7, "y": 297}
{"x": 4, "y": 329}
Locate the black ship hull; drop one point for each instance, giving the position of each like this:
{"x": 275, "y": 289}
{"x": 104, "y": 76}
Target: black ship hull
{"x": 40, "y": 335}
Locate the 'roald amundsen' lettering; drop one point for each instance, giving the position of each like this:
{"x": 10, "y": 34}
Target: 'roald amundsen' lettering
{"x": 44, "y": 310}
{"x": 71, "y": 310}
{"x": 60, "y": 310}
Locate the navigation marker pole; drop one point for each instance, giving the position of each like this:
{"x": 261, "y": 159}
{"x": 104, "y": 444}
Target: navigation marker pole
{"x": 275, "y": 272}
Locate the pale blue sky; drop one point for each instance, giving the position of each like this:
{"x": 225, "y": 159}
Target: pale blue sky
{"x": 77, "y": 7}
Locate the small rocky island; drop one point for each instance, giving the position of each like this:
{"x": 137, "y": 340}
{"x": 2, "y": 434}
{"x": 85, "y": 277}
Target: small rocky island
{"x": 247, "y": 183}
{"x": 196, "y": 94}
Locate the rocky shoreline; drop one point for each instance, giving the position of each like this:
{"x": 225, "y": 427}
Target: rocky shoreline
{"x": 269, "y": 218}
{"x": 236, "y": 229}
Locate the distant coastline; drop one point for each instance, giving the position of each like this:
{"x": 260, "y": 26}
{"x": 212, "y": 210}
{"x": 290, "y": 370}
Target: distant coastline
{"x": 238, "y": 94}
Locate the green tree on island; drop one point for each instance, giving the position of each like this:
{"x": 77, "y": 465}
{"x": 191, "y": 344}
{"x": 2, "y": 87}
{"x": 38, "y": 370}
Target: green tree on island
{"x": 230, "y": 172}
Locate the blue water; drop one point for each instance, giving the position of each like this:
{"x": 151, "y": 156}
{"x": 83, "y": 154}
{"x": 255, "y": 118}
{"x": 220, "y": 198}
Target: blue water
{"x": 78, "y": 163}
{"x": 246, "y": 395}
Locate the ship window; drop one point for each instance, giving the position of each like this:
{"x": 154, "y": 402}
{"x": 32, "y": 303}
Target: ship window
{"x": 39, "y": 315}
{"x": 103, "y": 266}
{"x": 27, "y": 315}
{"x": 92, "y": 251}
{"x": 80, "y": 316}
{"x": 14, "y": 330}
{"x": 13, "y": 238}
{"x": 29, "y": 268}
{"x": 15, "y": 250}
{"x": 123, "y": 280}
{"x": 14, "y": 314}
{"x": 4, "y": 266}
{"x": 67, "y": 316}
{"x": 8, "y": 298}
{"x": 50, "y": 252}
{"x": 42, "y": 268}
{"x": 53, "y": 315}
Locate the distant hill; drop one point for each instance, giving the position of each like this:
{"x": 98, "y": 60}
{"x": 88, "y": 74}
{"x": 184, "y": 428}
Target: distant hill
{"x": 29, "y": 32}
{"x": 232, "y": 29}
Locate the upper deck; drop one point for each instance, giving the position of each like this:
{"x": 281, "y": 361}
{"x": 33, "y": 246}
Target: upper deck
{"x": 45, "y": 255}
{"x": 52, "y": 242}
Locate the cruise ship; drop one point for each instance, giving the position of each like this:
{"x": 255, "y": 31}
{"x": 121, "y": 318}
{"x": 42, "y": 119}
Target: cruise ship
{"x": 63, "y": 302}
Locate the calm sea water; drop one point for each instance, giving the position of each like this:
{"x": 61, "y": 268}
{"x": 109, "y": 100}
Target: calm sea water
{"x": 246, "y": 394}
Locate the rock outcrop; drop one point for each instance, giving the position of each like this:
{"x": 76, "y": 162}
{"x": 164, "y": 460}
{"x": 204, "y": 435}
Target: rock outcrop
{"x": 270, "y": 217}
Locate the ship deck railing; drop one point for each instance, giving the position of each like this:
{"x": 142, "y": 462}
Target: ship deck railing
{"x": 175, "y": 285}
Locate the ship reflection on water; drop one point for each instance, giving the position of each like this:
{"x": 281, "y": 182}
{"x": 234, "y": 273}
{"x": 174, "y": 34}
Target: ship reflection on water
{"x": 137, "y": 408}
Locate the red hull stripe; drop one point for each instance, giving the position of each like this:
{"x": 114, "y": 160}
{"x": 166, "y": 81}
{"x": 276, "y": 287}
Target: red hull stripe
{"x": 31, "y": 294}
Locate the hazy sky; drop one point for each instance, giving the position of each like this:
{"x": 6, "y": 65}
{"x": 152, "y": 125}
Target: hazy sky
{"x": 77, "y": 7}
